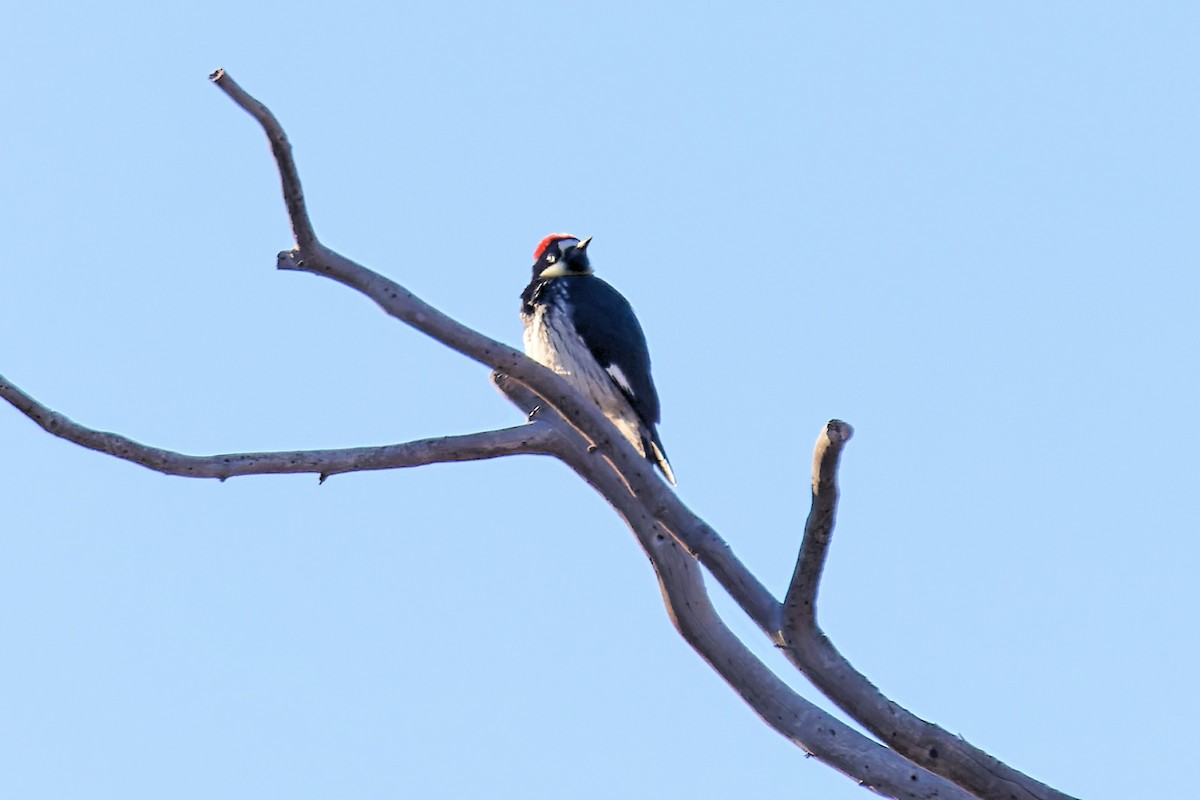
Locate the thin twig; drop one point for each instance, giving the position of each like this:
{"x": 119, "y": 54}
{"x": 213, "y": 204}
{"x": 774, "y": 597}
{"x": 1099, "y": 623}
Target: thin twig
{"x": 289, "y": 176}
{"x": 534, "y": 438}
{"x": 807, "y": 646}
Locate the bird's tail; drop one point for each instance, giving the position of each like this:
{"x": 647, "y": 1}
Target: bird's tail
{"x": 645, "y": 438}
{"x": 655, "y": 453}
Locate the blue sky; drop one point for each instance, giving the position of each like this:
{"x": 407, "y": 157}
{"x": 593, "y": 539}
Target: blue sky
{"x": 968, "y": 230}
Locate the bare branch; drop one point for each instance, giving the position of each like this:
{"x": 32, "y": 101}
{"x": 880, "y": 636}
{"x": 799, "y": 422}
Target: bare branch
{"x": 638, "y": 478}
{"x": 573, "y": 429}
{"x": 718, "y": 558}
{"x": 690, "y": 608}
{"x": 289, "y": 176}
{"x": 818, "y": 530}
{"x": 535, "y": 438}
{"x": 806, "y": 645}
{"x": 398, "y": 302}
{"x": 310, "y": 255}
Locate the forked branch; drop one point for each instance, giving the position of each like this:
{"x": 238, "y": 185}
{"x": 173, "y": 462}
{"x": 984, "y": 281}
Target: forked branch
{"x": 694, "y": 616}
{"x": 978, "y": 772}
{"x": 572, "y": 429}
{"x": 698, "y": 537}
{"x": 807, "y": 646}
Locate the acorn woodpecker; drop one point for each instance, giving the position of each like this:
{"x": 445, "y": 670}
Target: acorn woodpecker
{"x": 583, "y": 329}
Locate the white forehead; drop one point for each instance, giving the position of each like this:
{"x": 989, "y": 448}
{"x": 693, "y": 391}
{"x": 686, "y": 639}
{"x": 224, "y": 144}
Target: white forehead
{"x": 566, "y": 243}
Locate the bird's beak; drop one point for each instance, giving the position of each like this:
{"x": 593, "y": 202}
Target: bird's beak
{"x": 583, "y": 245}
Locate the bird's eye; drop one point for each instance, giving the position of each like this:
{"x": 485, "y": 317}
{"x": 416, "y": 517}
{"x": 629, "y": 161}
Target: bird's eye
{"x": 551, "y": 259}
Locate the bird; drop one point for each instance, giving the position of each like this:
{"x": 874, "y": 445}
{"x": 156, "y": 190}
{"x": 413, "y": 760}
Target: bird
{"x": 585, "y": 330}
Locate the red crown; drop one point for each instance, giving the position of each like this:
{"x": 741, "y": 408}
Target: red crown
{"x": 544, "y": 243}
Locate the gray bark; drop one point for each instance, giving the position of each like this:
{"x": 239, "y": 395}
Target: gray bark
{"x": 915, "y": 760}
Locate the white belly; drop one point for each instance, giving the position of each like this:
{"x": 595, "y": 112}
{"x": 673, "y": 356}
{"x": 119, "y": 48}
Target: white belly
{"x": 560, "y": 348}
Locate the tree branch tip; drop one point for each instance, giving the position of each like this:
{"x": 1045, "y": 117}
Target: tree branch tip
{"x": 216, "y": 75}
{"x": 838, "y": 432}
{"x": 289, "y": 260}
{"x": 833, "y": 436}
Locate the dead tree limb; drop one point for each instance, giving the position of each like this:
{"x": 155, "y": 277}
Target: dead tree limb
{"x": 807, "y": 646}
{"x": 565, "y": 425}
{"x": 700, "y": 539}
{"x": 530, "y": 439}
{"x": 692, "y": 612}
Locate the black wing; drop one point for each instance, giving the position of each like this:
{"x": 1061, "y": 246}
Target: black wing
{"x": 607, "y": 324}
